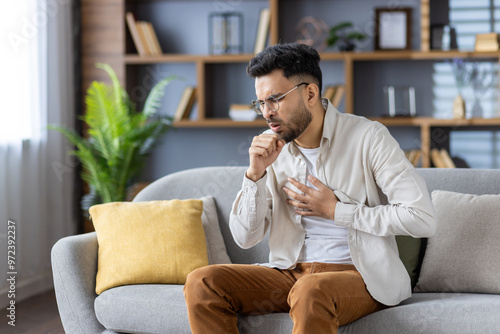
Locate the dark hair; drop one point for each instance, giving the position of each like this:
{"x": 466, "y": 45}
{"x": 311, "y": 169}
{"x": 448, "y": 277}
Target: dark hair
{"x": 293, "y": 58}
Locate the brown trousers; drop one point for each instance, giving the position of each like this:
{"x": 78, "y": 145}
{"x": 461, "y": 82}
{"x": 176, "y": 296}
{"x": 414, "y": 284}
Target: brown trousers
{"x": 320, "y": 297}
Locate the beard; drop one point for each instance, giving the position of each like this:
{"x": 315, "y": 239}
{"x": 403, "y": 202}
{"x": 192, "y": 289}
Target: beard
{"x": 298, "y": 122}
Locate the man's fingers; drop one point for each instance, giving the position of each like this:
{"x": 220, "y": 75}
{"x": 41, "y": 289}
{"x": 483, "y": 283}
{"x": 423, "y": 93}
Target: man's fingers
{"x": 306, "y": 213}
{"x": 311, "y": 202}
{"x": 294, "y": 195}
{"x": 299, "y": 205}
{"x": 259, "y": 151}
{"x": 268, "y": 142}
{"x": 316, "y": 182}
{"x": 302, "y": 187}
{"x": 301, "y": 208}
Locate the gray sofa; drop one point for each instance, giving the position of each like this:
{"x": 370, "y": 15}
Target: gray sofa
{"x": 161, "y": 308}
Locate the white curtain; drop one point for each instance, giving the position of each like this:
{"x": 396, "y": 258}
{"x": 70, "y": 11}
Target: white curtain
{"x": 36, "y": 175}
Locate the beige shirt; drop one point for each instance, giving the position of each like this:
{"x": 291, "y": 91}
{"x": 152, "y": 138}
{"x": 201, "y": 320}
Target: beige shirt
{"x": 380, "y": 196}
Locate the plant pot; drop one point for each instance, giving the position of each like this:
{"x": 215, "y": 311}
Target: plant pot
{"x": 89, "y": 199}
{"x": 346, "y": 46}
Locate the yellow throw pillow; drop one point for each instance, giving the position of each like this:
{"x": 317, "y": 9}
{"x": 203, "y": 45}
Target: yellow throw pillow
{"x": 148, "y": 242}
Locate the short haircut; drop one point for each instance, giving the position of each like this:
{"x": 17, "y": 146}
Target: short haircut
{"x": 296, "y": 60}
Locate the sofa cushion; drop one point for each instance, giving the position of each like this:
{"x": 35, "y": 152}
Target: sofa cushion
{"x": 142, "y": 309}
{"x": 426, "y": 313}
{"x": 148, "y": 242}
{"x": 463, "y": 254}
{"x": 216, "y": 248}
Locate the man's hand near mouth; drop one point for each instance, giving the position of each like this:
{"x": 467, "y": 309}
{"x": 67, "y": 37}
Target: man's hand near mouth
{"x": 264, "y": 150}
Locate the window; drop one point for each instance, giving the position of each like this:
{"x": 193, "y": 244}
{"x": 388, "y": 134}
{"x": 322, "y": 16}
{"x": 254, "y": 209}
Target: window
{"x": 20, "y": 27}
{"x": 479, "y": 149}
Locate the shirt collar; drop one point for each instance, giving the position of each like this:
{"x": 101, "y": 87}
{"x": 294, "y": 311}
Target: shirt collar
{"x": 328, "y": 126}
{"x": 330, "y": 120}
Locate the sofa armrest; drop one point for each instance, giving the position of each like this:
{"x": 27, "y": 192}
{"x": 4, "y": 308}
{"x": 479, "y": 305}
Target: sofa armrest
{"x": 74, "y": 267}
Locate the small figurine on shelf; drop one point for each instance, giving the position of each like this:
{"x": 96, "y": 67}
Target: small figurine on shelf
{"x": 344, "y": 35}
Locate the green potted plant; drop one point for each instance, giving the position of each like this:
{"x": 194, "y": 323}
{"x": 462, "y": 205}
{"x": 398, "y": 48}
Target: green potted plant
{"x": 344, "y": 35}
{"x": 118, "y": 138}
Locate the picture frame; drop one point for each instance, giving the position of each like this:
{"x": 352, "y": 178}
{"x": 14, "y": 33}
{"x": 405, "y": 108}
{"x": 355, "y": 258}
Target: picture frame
{"x": 393, "y": 28}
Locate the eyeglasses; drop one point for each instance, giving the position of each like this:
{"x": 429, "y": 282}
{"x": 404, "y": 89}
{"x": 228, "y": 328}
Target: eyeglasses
{"x": 271, "y": 102}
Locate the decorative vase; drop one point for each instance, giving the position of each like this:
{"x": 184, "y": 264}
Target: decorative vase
{"x": 459, "y": 107}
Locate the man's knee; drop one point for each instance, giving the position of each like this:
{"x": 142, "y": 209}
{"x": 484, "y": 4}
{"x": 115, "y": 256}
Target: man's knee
{"x": 201, "y": 278}
{"x": 197, "y": 275}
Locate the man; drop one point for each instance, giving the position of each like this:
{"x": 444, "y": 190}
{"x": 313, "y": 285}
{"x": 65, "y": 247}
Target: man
{"x": 333, "y": 190}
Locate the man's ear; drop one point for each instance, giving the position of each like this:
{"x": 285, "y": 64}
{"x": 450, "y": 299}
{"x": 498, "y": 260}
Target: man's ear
{"x": 313, "y": 94}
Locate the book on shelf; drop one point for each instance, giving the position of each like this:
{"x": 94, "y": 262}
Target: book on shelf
{"x": 144, "y": 36}
{"x": 338, "y": 96}
{"x": 334, "y": 93}
{"x": 154, "y": 39}
{"x": 441, "y": 158}
{"x": 414, "y": 156}
{"x": 141, "y": 28}
{"x": 136, "y": 38}
{"x": 330, "y": 92}
{"x": 262, "y": 30}
{"x": 151, "y": 38}
{"x": 446, "y": 158}
{"x": 186, "y": 103}
{"x": 487, "y": 42}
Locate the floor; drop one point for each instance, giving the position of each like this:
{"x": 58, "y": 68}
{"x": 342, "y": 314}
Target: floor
{"x": 37, "y": 315}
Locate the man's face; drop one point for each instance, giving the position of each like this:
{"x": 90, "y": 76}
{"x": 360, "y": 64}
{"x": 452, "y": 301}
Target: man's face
{"x": 292, "y": 118}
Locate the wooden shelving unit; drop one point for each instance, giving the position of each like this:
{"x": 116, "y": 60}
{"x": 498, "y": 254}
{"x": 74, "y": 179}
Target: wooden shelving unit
{"x": 104, "y": 38}
{"x": 133, "y": 59}
{"x": 220, "y": 123}
{"x": 427, "y": 123}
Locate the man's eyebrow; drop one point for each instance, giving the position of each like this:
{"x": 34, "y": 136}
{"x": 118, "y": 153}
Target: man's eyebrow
{"x": 274, "y": 95}
{"x": 270, "y": 96}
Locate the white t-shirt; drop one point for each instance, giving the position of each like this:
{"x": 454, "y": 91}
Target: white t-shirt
{"x": 324, "y": 242}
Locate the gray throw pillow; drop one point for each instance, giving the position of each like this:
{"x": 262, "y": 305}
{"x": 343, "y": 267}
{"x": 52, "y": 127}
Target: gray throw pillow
{"x": 463, "y": 255}
{"x": 216, "y": 249}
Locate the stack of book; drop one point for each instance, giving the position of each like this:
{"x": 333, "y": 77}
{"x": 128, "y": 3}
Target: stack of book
{"x": 335, "y": 94}
{"x": 487, "y": 42}
{"x": 144, "y": 36}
